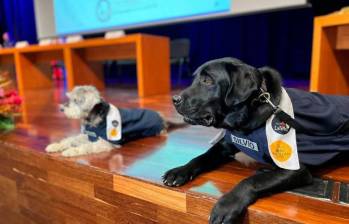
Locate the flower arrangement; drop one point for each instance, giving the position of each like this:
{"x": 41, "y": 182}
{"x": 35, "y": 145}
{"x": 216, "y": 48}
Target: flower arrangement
{"x": 9, "y": 102}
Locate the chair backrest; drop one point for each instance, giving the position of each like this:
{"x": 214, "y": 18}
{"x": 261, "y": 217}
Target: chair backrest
{"x": 180, "y": 48}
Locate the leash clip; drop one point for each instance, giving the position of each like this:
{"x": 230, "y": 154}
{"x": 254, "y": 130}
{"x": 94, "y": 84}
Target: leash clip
{"x": 264, "y": 97}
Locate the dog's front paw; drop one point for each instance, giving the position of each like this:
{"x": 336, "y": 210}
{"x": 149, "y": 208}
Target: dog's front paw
{"x": 226, "y": 210}
{"x": 178, "y": 176}
{"x": 54, "y": 147}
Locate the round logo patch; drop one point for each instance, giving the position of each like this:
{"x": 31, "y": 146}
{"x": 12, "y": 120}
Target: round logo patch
{"x": 113, "y": 132}
{"x": 281, "y": 150}
{"x": 115, "y": 123}
{"x": 280, "y": 126}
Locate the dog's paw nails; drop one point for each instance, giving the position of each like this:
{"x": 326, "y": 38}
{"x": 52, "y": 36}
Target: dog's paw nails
{"x": 168, "y": 183}
{"x": 177, "y": 183}
{"x": 178, "y": 176}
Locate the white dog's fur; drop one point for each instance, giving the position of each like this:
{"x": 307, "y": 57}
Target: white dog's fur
{"x": 81, "y": 101}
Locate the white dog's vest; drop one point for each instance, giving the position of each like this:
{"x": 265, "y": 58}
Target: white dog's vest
{"x": 114, "y": 124}
{"x": 122, "y": 125}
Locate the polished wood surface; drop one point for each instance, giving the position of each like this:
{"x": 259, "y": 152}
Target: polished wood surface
{"x": 330, "y": 67}
{"x": 83, "y": 62}
{"x": 124, "y": 185}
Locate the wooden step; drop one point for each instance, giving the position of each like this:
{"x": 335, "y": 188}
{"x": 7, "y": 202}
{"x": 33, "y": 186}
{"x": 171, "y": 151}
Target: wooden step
{"x": 124, "y": 186}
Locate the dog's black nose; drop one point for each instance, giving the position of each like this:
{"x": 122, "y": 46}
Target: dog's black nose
{"x": 177, "y": 99}
{"x": 61, "y": 108}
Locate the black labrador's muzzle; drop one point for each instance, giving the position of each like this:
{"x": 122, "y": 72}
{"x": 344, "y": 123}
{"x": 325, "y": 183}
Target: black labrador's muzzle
{"x": 177, "y": 100}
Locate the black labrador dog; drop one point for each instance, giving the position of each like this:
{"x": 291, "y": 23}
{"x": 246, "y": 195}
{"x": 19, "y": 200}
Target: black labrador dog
{"x": 226, "y": 94}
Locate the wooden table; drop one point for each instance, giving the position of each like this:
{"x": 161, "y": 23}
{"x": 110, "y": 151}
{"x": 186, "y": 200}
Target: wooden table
{"x": 330, "y": 57}
{"x": 82, "y": 62}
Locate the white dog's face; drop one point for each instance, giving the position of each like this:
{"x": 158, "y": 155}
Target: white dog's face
{"x": 81, "y": 100}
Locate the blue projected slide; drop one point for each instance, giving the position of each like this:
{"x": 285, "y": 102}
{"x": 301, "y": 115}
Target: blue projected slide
{"x": 81, "y": 16}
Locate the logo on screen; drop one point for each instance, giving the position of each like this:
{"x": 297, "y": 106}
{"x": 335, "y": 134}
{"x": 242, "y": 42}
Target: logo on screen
{"x": 103, "y": 10}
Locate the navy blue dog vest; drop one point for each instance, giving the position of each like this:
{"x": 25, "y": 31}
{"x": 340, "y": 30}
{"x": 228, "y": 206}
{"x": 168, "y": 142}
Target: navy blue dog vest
{"x": 324, "y": 116}
{"x": 136, "y": 123}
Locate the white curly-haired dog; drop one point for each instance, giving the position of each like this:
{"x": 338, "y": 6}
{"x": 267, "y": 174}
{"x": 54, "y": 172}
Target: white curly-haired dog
{"x": 103, "y": 126}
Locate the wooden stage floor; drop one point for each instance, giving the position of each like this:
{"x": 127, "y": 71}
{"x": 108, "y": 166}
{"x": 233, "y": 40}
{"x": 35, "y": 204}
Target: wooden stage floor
{"x": 124, "y": 186}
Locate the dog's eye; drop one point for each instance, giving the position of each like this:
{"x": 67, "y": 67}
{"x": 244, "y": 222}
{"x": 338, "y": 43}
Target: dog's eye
{"x": 78, "y": 101}
{"x": 206, "y": 80}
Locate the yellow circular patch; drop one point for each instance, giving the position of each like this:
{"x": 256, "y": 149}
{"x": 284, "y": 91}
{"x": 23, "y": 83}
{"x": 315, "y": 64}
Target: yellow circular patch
{"x": 281, "y": 150}
{"x": 113, "y": 132}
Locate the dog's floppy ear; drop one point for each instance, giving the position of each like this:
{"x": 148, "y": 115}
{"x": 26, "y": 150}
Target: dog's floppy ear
{"x": 273, "y": 81}
{"x": 98, "y": 113}
{"x": 272, "y": 76}
{"x": 243, "y": 81}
